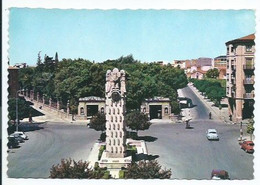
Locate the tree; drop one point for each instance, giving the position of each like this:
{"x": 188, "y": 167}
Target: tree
{"x": 98, "y": 122}
{"x": 76, "y": 170}
{"x": 23, "y": 109}
{"x": 250, "y": 128}
{"x": 137, "y": 121}
{"x": 147, "y": 170}
{"x": 212, "y": 73}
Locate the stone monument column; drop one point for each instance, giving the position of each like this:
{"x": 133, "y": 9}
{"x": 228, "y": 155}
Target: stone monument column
{"x": 115, "y": 111}
{"x": 58, "y": 104}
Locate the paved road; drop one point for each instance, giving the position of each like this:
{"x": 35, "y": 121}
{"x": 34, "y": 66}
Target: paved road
{"x": 190, "y": 155}
{"x": 48, "y": 146}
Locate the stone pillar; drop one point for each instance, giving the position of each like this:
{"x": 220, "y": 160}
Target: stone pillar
{"x": 37, "y": 97}
{"x": 58, "y": 104}
{"x": 50, "y": 102}
{"x": 115, "y": 111}
{"x": 43, "y": 99}
{"x": 68, "y": 108}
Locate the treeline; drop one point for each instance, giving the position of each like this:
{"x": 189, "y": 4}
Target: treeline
{"x": 71, "y": 79}
{"x": 213, "y": 89}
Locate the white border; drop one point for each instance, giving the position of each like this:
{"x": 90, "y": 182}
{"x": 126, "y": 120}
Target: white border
{"x": 125, "y": 4}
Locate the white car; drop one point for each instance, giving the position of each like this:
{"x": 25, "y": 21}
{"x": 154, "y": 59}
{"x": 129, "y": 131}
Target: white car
{"x": 20, "y": 134}
{"x": 212, "y": 134}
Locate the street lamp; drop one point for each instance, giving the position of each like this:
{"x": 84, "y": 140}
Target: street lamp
{"x": 17, "y": 109}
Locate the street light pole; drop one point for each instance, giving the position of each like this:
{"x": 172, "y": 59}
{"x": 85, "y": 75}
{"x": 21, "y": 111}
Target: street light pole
{"x": 17, "y": 110}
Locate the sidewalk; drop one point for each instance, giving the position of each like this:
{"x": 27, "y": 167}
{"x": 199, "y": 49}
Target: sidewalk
{"x": 52, "y": 117}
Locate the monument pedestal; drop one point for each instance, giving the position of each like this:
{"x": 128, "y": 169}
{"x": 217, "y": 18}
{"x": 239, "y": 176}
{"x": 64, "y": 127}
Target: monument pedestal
{"x": 114, "y": 163}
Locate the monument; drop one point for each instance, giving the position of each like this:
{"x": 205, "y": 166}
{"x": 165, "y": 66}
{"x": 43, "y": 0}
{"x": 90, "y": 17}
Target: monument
{"x": 115, "y": 154}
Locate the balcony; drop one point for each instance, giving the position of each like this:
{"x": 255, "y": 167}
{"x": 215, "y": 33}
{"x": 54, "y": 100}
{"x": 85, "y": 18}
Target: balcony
{"x": 249, "y": 96}
{"x": 249, "y": 66}
{"x": 249, "y": 81}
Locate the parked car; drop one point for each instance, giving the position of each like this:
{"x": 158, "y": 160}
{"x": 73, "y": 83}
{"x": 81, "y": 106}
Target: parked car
{"x": 219, "y": 174}
{"x": 12, "y": 142}
{"x": 17, "y": 137}
{"x": 22, "y": 135}
{"x": 248, "y": 146}
{"x": 212, "y": 134}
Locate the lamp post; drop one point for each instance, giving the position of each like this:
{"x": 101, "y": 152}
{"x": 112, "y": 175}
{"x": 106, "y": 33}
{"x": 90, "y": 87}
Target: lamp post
{"x": 17, "y": 109}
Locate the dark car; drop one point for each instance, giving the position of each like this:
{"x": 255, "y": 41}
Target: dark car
{"x": 219, "y": 175}
{"x": 12, "y": 142}
{"x": 248, "y": 146}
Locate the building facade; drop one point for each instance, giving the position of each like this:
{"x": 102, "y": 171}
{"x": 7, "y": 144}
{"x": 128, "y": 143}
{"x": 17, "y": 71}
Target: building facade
{"x": 157, "y": 108}
{"x": 220, "y": 63}
{"x": 13, "y": 84}
{"x": 89, "y": 106}
{"x": 240, "y": 77}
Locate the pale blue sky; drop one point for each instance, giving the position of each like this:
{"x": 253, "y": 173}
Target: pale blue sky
{"x": 149, "y": 35}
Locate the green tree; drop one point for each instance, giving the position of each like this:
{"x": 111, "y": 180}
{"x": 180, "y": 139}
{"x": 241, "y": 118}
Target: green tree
{"x": 212, "y": 73}
{"x": 147, "y": 170}
{"x": 71, "y": 169}
{"x": 98, "y": 122}
{"x": 137, "y": 121}
{"x": 23, "y": 109}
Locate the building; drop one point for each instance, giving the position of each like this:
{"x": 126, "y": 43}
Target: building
{"x": 13, "y": 84}
{"x": 89, "y": 106}
{"x": 157, "y": 108}
{"x": 240, "y": 77}
{"x": 220, "y": 63}
{"x": 197, "y": 68}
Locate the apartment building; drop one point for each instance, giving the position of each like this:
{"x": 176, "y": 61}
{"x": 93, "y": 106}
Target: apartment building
{"x": 240, "y": 77}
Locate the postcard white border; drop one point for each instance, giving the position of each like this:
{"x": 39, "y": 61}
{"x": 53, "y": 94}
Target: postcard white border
{"x": 127, "y": 4}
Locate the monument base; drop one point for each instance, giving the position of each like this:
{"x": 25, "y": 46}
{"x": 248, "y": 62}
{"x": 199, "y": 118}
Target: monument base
{"x": 114, "y": 163}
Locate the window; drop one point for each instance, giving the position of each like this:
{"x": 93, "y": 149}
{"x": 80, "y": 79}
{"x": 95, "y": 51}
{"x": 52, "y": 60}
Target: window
{"x": 118, "y": 111}
{"x": 109, "y": 111}
{"x": 102, "y": 110}
{"x": 166, "y": 110}
{"x": 120, "y": 134}
{"x": 116, "y": 149}
{"x": 111, "y": 118}
{"x": 118, "y": 141}
{"x": 248, "y": 48}
{"x": 120, "y": 118}
{"x": 115, "y": 134}
{"x": 111, "y": 134}
{"x": 144, "y": 110}
{"x": 114, "y": 126}
{"x": 118, "y": 126}
{"x": 109, "y": 126}
{"x": 115, "y": 118}
{"x": 111, "y": 149}
{"x": 109, "y": 142}
{"x": 82, "y": 111}
{"x": 113, "y": 111}
{"x": 114, "y": 142}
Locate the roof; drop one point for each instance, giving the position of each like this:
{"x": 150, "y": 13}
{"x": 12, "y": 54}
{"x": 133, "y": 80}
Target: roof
{"x": 92, "y": 99}
{"x": 157, "y": 99}
{"x": 248, "y": 38}
{"x": 221, "y": 56}
{"x": 12, "y": 67}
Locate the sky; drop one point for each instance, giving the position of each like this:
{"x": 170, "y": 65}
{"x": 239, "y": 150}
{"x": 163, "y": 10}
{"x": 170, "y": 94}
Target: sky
{"x": 99, "y": 35}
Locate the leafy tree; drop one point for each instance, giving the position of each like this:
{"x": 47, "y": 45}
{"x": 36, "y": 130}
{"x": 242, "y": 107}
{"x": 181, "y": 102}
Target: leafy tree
{"x": 137, "y": 121}
{"x": 212, "y": 73}
{"x": 23, "y": 109}
{"x": 147, "y": 170}
{"x": 98, "y": 122}
{"x": 71, "y": 169}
